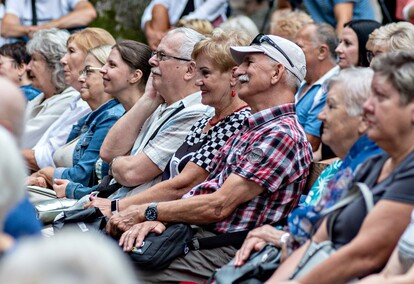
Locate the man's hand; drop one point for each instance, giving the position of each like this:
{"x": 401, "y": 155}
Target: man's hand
{"x": 136, "y": 235}
{"x": 124, "y": 220}
{"x": 103, "y": 204}
{"x": 60, "y": 187}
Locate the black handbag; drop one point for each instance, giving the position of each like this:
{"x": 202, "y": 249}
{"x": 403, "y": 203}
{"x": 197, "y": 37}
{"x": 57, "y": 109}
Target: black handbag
{"x": 257, "y": 269}
{"x": 158, "y": 251}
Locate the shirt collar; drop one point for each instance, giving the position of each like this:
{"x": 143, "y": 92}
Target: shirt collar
{"x": 261, "y": 117}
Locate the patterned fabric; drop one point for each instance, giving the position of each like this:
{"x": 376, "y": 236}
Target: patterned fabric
{"x": 321, "y": 183}
{"x": 302, "y": 219}
{"x": 200, "y": 148}
{"x": 271, "y": 150}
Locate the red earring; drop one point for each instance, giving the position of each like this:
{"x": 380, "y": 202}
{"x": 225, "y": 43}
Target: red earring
{"x": 233, "y": 93}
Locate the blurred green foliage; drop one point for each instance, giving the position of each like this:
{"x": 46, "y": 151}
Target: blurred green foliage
{"x": 122, "y": 18}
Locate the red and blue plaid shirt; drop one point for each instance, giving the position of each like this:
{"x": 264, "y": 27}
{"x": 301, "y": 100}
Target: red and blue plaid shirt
{"x": 271, "y": 150}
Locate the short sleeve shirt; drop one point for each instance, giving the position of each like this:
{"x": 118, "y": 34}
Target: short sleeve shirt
{"x": 200, "y": 147}
{"x": 47, "y": 10}
{"x": 322, "y": 11}
{"x": 396, "y": 187}
{"x": 271, "y": 150}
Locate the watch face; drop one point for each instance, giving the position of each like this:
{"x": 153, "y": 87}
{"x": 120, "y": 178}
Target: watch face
{"x": 151, "y": 214}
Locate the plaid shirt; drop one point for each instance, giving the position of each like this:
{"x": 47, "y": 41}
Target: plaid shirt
{"x": 271, "y": 150}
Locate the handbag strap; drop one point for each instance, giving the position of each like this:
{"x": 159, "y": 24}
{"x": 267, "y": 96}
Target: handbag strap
{"x": 355, "y": 192}
{"x": 34, "y": 13}
{"x": 177, "y": 110}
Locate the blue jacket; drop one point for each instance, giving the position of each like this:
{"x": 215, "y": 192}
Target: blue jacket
{"x": 92, "y": 130}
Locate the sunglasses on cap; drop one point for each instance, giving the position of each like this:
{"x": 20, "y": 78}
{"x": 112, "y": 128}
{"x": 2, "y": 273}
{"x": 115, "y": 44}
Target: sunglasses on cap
{"x": 260, "y": 38}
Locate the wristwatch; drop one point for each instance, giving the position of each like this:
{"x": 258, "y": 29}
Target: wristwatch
{"x": 151, "y": 212}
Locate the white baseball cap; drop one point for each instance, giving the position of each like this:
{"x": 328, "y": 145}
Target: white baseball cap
{"x": 278, "y": 48}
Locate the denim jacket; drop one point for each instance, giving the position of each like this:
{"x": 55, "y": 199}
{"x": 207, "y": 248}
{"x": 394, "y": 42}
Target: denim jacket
{"x": 92, "y": 130}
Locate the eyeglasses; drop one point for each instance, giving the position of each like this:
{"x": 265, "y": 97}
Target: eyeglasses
{"x": 161, "y": 56}
{"x": 88, "y": 70}
{"x": 260, "y": 38}
{"x": 2, "y": 61}
{"x": 371, "y": 55}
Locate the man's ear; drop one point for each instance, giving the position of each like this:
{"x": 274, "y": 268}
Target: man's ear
{"x": 323, "y": 52}
{"x": 277, "y": 72}
{"x": 191, "y": 71}
{"x": 136, "y": 76}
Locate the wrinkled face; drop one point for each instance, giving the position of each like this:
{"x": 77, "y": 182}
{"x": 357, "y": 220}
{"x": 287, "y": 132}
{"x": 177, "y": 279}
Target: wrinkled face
{"x": 91, "y": 79}
{"x": 376, "y": 50}
{"x": 305, "y": 40}
{"x": 388, "y": 120}
{"x": 72, "y": 63}
{"x": 214, "y": 85}
{"x": 347, "y": 49}
{"x": 116, "y": 74}
{"x": 169, "y": 71}
{"x": 254, "y": 75}
{"x": 8, "y": 68}
{"x": 338, "y": 125}
{"x": 41, "y": 72}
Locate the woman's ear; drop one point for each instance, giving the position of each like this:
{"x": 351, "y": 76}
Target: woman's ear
{"x": 21, "y": 69}
{"x": 233, "y": 79}
{"x": 136, "y": 76}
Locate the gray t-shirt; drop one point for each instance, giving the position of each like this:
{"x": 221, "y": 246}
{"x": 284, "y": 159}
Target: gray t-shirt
{"x": 396, "y": 187}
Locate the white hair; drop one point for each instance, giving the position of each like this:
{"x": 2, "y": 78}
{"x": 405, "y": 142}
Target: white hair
{"x": 12, "y": 174}
{"x": 66, "y": 258}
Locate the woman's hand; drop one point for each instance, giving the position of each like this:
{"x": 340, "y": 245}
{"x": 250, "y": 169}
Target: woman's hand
{"x": 137, "y": 233}
{"x": 60, "y": 187}
{"x": 36, "y": 180}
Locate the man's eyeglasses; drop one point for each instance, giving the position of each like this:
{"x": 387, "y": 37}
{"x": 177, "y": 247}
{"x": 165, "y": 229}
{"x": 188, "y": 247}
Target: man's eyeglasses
{"x": 260, "y": 38}
{"x": 161, "y": 56}
{"x": 88, "y": 70}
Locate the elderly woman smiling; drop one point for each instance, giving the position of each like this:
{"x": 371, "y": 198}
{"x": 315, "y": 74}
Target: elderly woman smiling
{"x": 363, "y": 245}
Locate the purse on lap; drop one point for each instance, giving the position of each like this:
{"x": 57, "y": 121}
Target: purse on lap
{"x": 257, "y": 269}
{"x": 318, "y": 252}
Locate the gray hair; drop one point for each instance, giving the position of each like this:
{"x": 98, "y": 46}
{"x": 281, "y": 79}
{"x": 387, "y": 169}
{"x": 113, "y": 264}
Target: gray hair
{"x": 356, "y": 87}
{"x": 398, "y": 69}
{"x": 325, "y": 34}
{"x": 12, "y": 175}
{"x": 69, "y": 257}
{"x": 101, "y": 52}
{"x": 191, "y": 37}
{"x": 51, "y": 44}
{"x": 290, "y": 79}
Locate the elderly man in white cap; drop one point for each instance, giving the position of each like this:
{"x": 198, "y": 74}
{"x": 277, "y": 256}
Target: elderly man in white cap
{"x": 257, "y": 177}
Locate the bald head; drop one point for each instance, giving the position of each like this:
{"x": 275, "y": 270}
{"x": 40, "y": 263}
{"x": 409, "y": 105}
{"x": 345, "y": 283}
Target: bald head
{"x": 12, "y": 107}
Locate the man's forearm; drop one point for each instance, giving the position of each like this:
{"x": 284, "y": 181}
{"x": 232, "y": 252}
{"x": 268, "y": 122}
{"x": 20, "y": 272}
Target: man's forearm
{"x": 29, "y": 156}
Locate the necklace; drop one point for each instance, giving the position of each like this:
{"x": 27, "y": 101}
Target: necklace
{"x": 215, "y": 123}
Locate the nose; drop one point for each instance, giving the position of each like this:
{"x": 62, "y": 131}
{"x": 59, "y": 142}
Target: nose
{"x": 239, "y": 70}
{"x": 199, "y": 82}
{"x": 338, "y": 49}
{"x": 63, "y": 60}
{"x": 29, "y": 65}
{"x": 81, "y": 78}
{"x": 103, "y": 70}
{"x": 153, "y": 60}
{"x": 368, "y": 106}
{"x": 322, "y": 114}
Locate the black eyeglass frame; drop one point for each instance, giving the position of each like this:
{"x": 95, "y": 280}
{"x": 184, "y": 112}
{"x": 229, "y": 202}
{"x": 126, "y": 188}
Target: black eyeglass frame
{"x": 260, "y": 38}
{"x": 160, "y": 55}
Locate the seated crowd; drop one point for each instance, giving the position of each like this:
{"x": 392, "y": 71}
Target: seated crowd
{"x": 220, "y": 129}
